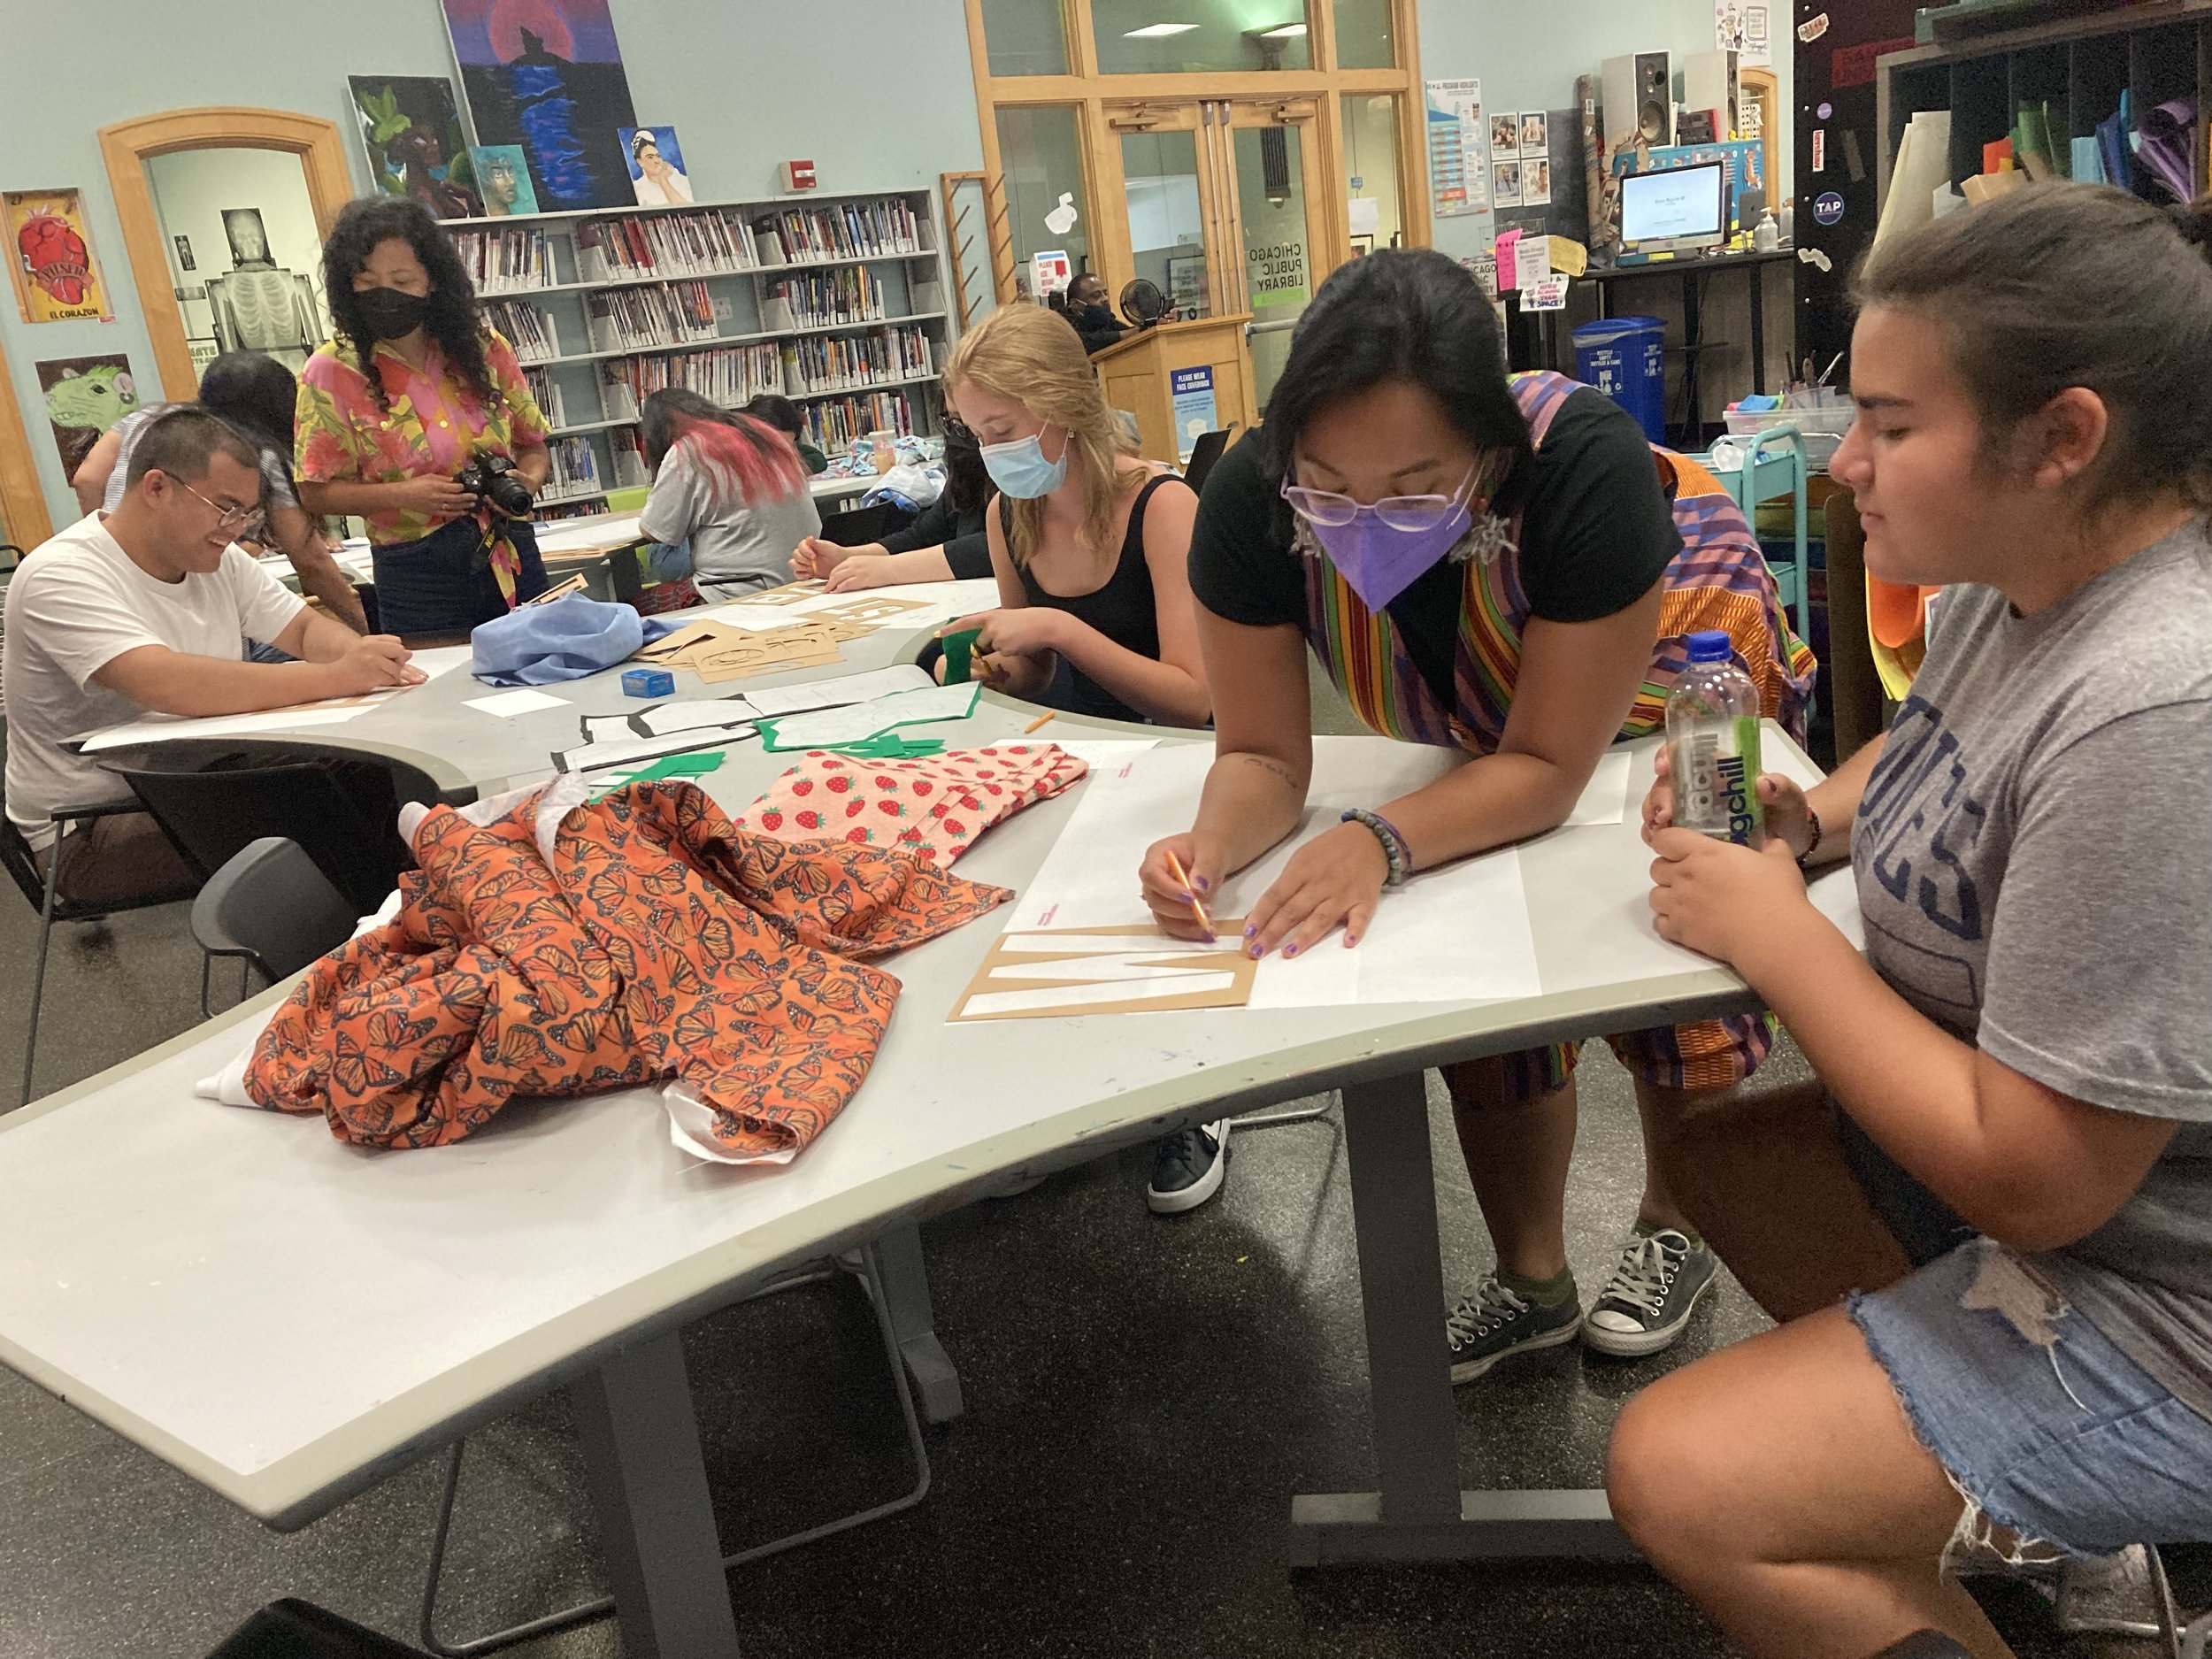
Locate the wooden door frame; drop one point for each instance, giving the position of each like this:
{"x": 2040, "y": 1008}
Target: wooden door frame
{"x": 128, "y": 145}
{"x": 1088, "y": 92}
{"x": 1324, "y": 228}
{"x": 22, "y": 502}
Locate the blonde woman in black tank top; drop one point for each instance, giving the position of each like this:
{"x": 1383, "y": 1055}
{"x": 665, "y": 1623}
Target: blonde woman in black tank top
{"x": 1088, "y": 543}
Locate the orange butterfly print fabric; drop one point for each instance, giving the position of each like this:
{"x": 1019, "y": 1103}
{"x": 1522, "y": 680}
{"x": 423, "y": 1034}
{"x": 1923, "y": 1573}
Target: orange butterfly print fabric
{"x": 650, "y": 939}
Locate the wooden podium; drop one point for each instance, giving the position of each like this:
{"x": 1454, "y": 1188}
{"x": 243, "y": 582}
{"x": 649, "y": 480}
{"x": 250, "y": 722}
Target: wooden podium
{"x": 1137, "y": 374}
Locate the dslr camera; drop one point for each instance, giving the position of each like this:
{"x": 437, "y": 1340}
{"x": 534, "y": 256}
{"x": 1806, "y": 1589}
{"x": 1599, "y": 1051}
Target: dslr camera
{"x": 488, "y": 476}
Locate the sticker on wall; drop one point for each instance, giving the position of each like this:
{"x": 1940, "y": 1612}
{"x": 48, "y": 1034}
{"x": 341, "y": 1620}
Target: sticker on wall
{"x": 1053, "y": 272}
{"x": 1812, "y": 29}
{"x": 84, "y": 397}
{"x": 1825, "y": 111}
{"x": 1062, "y": 219}
{"x": 1459, "y": 183}
{"x": 1740, "y": 27}
{"x": 1828, "y": 207}
{"x": 1820, "y": 149}
{"x": 49, "y": 257}
{"x": 412, "y": 134}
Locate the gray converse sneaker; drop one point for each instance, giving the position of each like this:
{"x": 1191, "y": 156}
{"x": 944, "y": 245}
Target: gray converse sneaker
{"x": 1654, "y": 1290}
{"x": 1494, "y": 1321}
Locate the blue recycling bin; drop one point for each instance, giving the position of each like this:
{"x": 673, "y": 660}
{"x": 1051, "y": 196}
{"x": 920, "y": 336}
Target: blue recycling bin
{"x": 1626, "y": 358}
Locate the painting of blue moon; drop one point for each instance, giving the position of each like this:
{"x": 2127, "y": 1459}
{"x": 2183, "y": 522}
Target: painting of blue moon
{"x": 547, "y": 75}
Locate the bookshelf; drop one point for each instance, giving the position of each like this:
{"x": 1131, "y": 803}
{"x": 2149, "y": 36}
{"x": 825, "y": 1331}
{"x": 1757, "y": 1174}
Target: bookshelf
{"x": 835, "y": 302}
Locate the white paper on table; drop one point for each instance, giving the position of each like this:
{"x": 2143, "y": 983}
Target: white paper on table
{"x": 1458, "y": 933}
{"x": 632, "y": 751}
{"x": 695, "y": 715}
{"x": 600, "y": 530}
{"x": 608, "y": 728}
{"x": 777, "y": 701}
{"x": 859, "y": 721}
{"x": 1604, "y": 799}
{"x": 1100, "y": 754}
{"x": 507, "y": 704}
{"x": 156, "y": 728}
{"x": 441, "y": 659}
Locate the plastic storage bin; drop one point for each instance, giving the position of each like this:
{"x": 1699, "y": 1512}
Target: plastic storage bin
{"x": 1626, "y": 358}
{"x": 1824, "y": 426}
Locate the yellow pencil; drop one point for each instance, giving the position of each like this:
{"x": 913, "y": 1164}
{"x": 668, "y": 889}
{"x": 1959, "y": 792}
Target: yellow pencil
{"x": 1175, "y": 868}
{"x": 1040, "y": 720}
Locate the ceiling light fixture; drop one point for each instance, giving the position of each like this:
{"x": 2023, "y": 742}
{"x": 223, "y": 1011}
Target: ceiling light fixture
{"x": 1161, "y": 31}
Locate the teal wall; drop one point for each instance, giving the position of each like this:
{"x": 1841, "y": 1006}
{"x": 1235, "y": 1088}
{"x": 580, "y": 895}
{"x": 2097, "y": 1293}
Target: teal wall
{"x": 877, "y": 95}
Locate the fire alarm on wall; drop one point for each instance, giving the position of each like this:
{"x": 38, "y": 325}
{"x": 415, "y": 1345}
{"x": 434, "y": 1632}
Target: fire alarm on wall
{"x": 798, "y": 175}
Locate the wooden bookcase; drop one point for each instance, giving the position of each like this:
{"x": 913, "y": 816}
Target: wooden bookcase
{"x": 2080, "y": 65}
{"x": 585, "y": 284}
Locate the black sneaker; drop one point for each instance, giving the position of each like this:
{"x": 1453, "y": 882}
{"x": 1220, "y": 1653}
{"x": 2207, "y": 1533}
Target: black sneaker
{"x": 1655, "y": 1288}
{"x": 1492, "y": 1321}
{"x": 1188, "y": 1167}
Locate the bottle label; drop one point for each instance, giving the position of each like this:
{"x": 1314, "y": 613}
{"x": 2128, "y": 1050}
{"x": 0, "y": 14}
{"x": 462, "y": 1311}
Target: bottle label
{"x": 1718, "y": 770}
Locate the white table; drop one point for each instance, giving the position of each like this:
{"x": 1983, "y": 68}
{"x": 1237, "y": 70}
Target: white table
{"x": 253, "y": 1301}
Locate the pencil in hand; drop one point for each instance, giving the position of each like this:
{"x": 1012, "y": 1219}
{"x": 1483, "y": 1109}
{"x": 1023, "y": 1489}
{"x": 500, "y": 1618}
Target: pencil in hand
{"x": 1175, "y": 869}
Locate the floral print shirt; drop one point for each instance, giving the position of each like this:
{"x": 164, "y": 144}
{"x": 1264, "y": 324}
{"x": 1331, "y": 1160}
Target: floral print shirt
{"x": 435, "y": 423}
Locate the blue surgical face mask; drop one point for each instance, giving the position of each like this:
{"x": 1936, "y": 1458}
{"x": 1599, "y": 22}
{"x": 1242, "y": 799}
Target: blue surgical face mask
{"x": 1020, "y": 469}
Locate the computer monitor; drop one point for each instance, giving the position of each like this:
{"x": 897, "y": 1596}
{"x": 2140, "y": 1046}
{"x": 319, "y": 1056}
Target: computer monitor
{"x": 1676, "y": 210}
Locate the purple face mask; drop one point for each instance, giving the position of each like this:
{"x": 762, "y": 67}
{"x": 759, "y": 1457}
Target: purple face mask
{"x": 1380, "y": 561}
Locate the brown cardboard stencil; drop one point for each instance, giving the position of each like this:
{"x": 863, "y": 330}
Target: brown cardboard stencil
{"x": 1050, "y": 973}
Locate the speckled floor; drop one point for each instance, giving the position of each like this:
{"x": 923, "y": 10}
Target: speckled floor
{"x": 1143, "y": 1398}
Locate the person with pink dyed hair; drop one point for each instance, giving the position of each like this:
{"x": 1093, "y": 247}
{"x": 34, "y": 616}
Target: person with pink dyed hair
{"x": 732, "y": 487}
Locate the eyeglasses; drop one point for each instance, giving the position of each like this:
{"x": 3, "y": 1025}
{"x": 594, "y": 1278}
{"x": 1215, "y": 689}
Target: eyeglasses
{"x": 226, "y": 518}
{"x": 1399, "y": 512}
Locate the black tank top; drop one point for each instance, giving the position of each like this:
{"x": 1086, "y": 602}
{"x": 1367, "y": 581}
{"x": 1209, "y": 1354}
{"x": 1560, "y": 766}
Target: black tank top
{"x": 1122, "y": 610}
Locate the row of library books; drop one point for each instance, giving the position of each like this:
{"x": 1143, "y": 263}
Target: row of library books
{"x": 823, "y": 299}
{"x": 528, "y": 329}
{"x": 505, "y": 261}
{"x": 843, "y": 363}
{"x": 845, "y": 230}
{"x": 671, "y": 314}
{"x": 545, "y": 391}
{"x": 728, "y": 375}
{"x": 575, "y": 469}
{"x": 834, "y": 423}
{"x": 720, "y": 242}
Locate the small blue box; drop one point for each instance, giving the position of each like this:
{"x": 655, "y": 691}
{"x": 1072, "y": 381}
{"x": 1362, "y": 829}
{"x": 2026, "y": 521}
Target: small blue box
{"x": 649, "y": 682}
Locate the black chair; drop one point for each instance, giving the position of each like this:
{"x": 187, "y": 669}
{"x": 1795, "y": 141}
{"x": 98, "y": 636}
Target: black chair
{"x": 863, "y": 525}
{"x": 43, "y": 893}
{"x": 213, "y": 800}
{"x": 1204, "y": 452}
{"x": 293, "y": 1629}
{"x": 270, "y": 908}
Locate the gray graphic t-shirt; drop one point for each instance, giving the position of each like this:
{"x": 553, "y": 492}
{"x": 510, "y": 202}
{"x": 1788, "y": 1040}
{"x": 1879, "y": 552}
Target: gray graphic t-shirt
{"x": 2034, "y": 863}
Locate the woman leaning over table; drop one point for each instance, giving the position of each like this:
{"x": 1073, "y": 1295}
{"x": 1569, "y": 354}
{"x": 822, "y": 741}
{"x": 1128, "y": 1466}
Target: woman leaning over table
{"x": 1498, "y": 564}
{"x": 413, "y": 388}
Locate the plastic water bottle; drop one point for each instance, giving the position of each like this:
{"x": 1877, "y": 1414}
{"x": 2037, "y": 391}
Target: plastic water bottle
{"x": 1713, "y": 744}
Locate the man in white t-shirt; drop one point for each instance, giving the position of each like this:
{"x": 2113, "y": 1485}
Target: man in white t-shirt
{"x": 144, "y": 609}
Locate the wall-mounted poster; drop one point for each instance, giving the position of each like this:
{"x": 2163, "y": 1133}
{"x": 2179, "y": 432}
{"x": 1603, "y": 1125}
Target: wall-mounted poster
{"x": 503, "y": 178}
{"x": 548, "y": 75}
{"x": 49, "y": 257}
{"x": 84, "y": 397}
{"x": 1505, "y": 183}
{"x": 1458, "y": 181}
{"x": 657, "y": 167}
{"x": 415, "y": 144}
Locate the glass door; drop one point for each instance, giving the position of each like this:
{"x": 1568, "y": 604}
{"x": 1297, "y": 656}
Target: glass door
{"x": 1220, "y": 216}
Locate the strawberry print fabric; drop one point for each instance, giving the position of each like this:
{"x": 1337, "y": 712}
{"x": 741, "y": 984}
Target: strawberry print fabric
{"x": 933, "y": 809}
{"x": 647, "y": 939}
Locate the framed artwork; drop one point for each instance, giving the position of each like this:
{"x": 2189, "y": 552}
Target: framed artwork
{"x": 412, "y": 133}
{"x": 1362, "y": 246}
{"x": 84, "y": 397}
{"x": 1505, "y": 136}
{"x": 547, "y": 75}
{"x": 1535, "y": 139}
{"x": 656, "y": 162}
{"x": 51, "y": 262}
{"x": 503, "y": 178}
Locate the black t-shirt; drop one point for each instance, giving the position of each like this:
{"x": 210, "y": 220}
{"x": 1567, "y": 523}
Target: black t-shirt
{"x": 1596, "y": 532}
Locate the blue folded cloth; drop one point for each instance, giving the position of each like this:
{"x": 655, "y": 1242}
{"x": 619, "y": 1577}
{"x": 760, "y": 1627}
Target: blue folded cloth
{"x": 538, "y": 645}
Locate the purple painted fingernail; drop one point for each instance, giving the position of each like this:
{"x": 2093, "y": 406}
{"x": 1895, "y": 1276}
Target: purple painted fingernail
{"x": 1256, "y": 950}
{"x": 1202, "y": 883}
{"x": 1251, "y": 929}
{"x": 1290, "y": 950}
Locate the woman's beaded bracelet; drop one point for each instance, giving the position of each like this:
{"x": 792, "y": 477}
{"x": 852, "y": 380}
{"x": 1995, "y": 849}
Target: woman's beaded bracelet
{"x": 1396, "y": 853}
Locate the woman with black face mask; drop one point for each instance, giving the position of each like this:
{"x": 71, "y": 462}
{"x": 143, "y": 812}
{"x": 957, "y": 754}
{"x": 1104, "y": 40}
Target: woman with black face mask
{"x": 413, "y": 388}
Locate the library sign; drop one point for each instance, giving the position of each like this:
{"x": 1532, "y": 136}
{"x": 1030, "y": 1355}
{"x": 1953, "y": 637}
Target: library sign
{"x": 1276, "y": 274}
